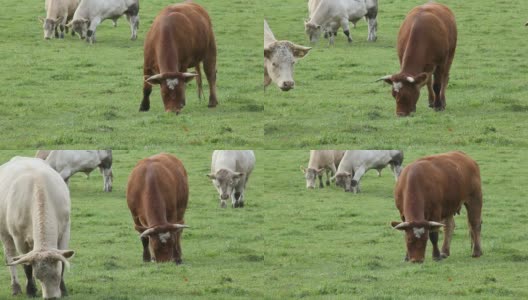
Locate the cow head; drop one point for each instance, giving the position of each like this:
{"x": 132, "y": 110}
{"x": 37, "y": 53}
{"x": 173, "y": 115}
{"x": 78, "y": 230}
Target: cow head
{"x": 172, "y": 86}
{"x": 313, "y": 31}
{"x": 406, "y": 91}
{"x": 163, "y": 240}
{"x": 344, "y": 180}
{"x": 80, "y": 26}
{"x": 49, "y": 26}
{"x": 279, "y": 58}
{"x": 225, "y": 182}
{"x": 311, "y": 175}
{"x": 47, "y": 266}
{"x": 416, "y": 236}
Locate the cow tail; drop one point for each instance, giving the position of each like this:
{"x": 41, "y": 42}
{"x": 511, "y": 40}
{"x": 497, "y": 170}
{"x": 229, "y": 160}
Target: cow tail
{"x": 199, "y": 81}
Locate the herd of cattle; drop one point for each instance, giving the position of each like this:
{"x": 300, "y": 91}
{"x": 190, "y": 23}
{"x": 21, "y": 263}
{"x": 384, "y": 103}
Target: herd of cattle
{"x": 35, "y": 201}
{"x": 426, "y": 46}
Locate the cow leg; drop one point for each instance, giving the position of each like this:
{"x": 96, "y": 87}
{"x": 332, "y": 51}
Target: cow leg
{"x": 31, "y": 288}
{"x": 320, "y": 176}
{"x": 147, "y": 89}
{"x": 177, "y": 252}
{"x": 133, "y": 20}
{"x": 346, "y": 29}
{"x": 56, "y": 31}
{"x": 9, "y": 252}
{"x": 209, "y": 65}
{"x": 448, "y": 234}
{"x": 438, "y": 104}
{"x": 327, "y": 171}
{"x": 63, "y": 244}
{"x": 90, "y": 35}
{"x": 371, "y": 16}
{"x": 379, "y": 172}
{"x": 61, "y": 26}
{"x": 357, "y": 177}
{"x": 333, "y": 172}
{"x": 107, "y": 179}
{"x": 433, "y": 236}
{"x": 430, "y": 92}
{"x": 146, "y": 251}
{"x": 474, "y": 207}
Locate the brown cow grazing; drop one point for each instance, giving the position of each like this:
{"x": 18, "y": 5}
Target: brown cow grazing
{"x": 180, "y": 38}
{"x": 157, "y": 195}
{"x": 426, "y": 47}
{"x": 433, "y": 189}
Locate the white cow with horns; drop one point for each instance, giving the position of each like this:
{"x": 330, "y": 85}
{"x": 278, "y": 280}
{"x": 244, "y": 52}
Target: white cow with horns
{"x": 35, "y": 225}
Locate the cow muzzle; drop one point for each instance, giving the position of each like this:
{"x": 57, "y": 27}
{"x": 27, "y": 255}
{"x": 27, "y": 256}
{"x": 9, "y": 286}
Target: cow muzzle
{"x": 224, "y": 196}
{"x": 287, "y": 85}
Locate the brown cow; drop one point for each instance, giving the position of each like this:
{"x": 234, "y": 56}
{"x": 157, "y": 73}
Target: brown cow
{"x": 426, "y": 47}
{"x": 433, "y": 189}
{"x": 180, "y": 38}
{"x": 157, "y": 195}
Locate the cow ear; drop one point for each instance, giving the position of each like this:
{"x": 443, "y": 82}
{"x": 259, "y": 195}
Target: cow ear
{"x": 299, "y": 51}
{"x": 69, "y": 24}
{"x": 303, "y": 169}
{"x": 211, "y": 176}
{"x": 41, "y": 19}
{"x": 67, "y": 253}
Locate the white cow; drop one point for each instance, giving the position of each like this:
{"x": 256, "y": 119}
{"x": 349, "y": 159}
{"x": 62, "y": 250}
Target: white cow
{"x": 356, "y": 162}
{"x": 329, "y": 15}
{"x": 69, "y": 162}
{"x": 35, "y": 224}
{"x": 91, "y": 13}
{"x": 58, "y": 12}
{"x": 321, "y": 160}
{"x": 230, "y": 170}
{"x": 279, "y": 57}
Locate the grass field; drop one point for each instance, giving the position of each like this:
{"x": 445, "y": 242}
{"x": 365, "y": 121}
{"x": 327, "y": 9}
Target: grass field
{"x": 337, "y": 103}
{"x": 289, "y": 242}
{"x": 66, "y": 93}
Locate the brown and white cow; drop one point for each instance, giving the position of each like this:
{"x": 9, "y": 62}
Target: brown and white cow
{"x": 180, "y": 38}
{"x": 432, "y": 190}
{"x": 157, "y": 196}
{"x": 426, "y": 48}
{"x": 279, "y": 60}
{"x": 35, "y": 225}
{"x": 321, "y": 161}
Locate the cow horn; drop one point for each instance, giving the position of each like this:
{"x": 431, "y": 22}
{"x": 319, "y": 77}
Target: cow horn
{"x": 22, "y": 259}
{"x": 402, "y": 225}
{"x": 435, "y": 224}
{"x": 189, "y": 74}
{"x": 409, "y": 79}
{"x": 154, "y": 78}
{"x": 383, "y": 78}
{"x": 179, "y": 226}
{"x": 147, "y": 232}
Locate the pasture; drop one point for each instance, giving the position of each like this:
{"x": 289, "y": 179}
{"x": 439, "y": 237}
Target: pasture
{"x": 337, "y": 103}
{"x": 290, "y": 242}
{"x": 66, "y": 93}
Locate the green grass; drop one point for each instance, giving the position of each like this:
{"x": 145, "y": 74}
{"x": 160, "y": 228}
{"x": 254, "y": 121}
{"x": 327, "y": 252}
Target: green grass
{"x": 66, "y": 93}
{"x": 337, "y": 103}
{"x": 290, "y": 242}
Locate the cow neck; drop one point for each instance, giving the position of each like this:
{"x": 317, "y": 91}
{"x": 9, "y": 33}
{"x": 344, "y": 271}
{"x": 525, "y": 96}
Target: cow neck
{"x": 415, "y": 54}
{"x": 168, "y": 55}
{"x": 41, "y": 219}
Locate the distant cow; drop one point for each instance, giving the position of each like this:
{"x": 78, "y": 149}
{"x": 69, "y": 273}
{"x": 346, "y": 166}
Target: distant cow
{"x": 91, "y": 13}
{"x": 181, "y": 37}
{"x": 432, "y": 190}
{"x": 355, "y": 163}
{"x": 157, "y": 196}
{"x": 279, "y": 58}
{"x": 58, "y": 12}
{"x": 69, "y": 162}
{"x": 35, "y": 224}
{"x": 329, "y": 15}
{"x": 321, "y": 160}
{"x": 230, "y": 171}
{"x": 426, "y": 47}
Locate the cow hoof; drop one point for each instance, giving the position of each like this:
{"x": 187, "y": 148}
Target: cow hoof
{"x": 438, "y": 258}
{"x": 444, "y": 255}
{"x": 16, "y": 289}
{"x": 211, "y": 105}
{"x": 241, "y": 204}
{"x": 223, "y": 204}
{"x": 144, "y": 107}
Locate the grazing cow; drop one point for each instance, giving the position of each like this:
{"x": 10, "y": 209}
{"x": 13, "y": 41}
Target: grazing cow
{"x": 91, "y": 13}
{"x": 355, "y": 163}
{"x": 431, "y": 190}
{"x": 58, "y": 12}
{"x": 69, "y": 162}
{"x": 329, "y": 15}
{"x": 35, "y": 224}
{"x": 321, "y": 160}
{"x": 180, "y": 38}
{"x": 230, "y": 170}
{"x": 279, "y": 58}
{"x": 157, "y": 196}
{"x": 426, "y": 47}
